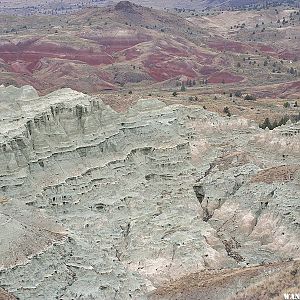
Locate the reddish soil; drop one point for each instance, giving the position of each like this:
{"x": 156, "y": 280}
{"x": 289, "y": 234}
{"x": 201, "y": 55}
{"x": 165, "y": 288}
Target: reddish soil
{"x": 224, "y": 77}
{"x": 292, "y": 88}
{"x": 208, "y": 70}
{"x": 170, "y": 73}
{"x": 289, "y": 55}
{"x": 225, "y": 45}
{"x": 170, "y": 61}
{"x": 238, "y": 47}
{"x": 105, "y": 52}
{"x": 19, "y": 67}
{"x": 131, "y": 53}
{"x": 155, "y": 58}
{"x": 114, "y": 44}
{"x": 182, "y": 50}
{"x": 265, "y": 48}
{"x": 177, "y": 50}
{"x": 161, "y": 69}
{"x": 287, "y": 90}
{"x": 33, "y": 53}
{"x": 32, "y": 57}
{"x": 200, "y": 55}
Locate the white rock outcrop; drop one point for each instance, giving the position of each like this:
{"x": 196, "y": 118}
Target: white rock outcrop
{"x": 96, "y": 204}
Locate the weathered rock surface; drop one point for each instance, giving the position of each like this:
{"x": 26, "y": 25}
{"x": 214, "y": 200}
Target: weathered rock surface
{"x": 103, "y": 205}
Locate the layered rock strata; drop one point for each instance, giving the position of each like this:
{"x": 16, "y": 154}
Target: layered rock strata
{"x": 97, "y": 204}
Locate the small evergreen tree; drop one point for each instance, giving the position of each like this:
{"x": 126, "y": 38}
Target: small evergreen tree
{"x": 250, "y": 97}
{"x": 283, "y": 120}
{"x": 266, "y": 123}
{"x": 227, "y": 111}
{"x": 183, "y": 88}
{"x": 238, "y": 94}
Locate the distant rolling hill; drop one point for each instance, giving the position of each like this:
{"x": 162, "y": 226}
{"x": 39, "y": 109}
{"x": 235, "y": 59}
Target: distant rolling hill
{"x": 62, "y": 6}
{"x": 127, "y": 46}
{"x": 203, "y": 4}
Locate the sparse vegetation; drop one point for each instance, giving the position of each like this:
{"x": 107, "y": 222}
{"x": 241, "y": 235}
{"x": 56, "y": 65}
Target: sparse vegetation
{"x": 250, "y": 97}
{"x": 227, "y": 111}
{"x": 238, "y": 94}
{"x": 267, "y": 123}
{"x": 182, "y": 88}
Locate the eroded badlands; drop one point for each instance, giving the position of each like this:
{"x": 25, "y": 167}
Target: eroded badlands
{"x": 97, "y": 204}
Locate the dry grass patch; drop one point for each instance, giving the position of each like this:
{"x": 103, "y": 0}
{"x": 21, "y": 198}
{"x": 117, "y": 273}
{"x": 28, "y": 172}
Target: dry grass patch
{"x": 281, "y": 173}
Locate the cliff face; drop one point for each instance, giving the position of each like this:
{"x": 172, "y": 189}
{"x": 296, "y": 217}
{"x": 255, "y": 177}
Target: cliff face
{"x": 102, "y": 205}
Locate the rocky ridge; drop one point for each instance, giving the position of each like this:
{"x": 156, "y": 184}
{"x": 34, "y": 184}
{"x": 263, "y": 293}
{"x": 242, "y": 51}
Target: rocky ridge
{"x": 97, "y": 204}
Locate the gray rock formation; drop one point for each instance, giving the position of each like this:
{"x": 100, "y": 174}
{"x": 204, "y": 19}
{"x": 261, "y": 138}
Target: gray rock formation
{"x": 96, "y": 204}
